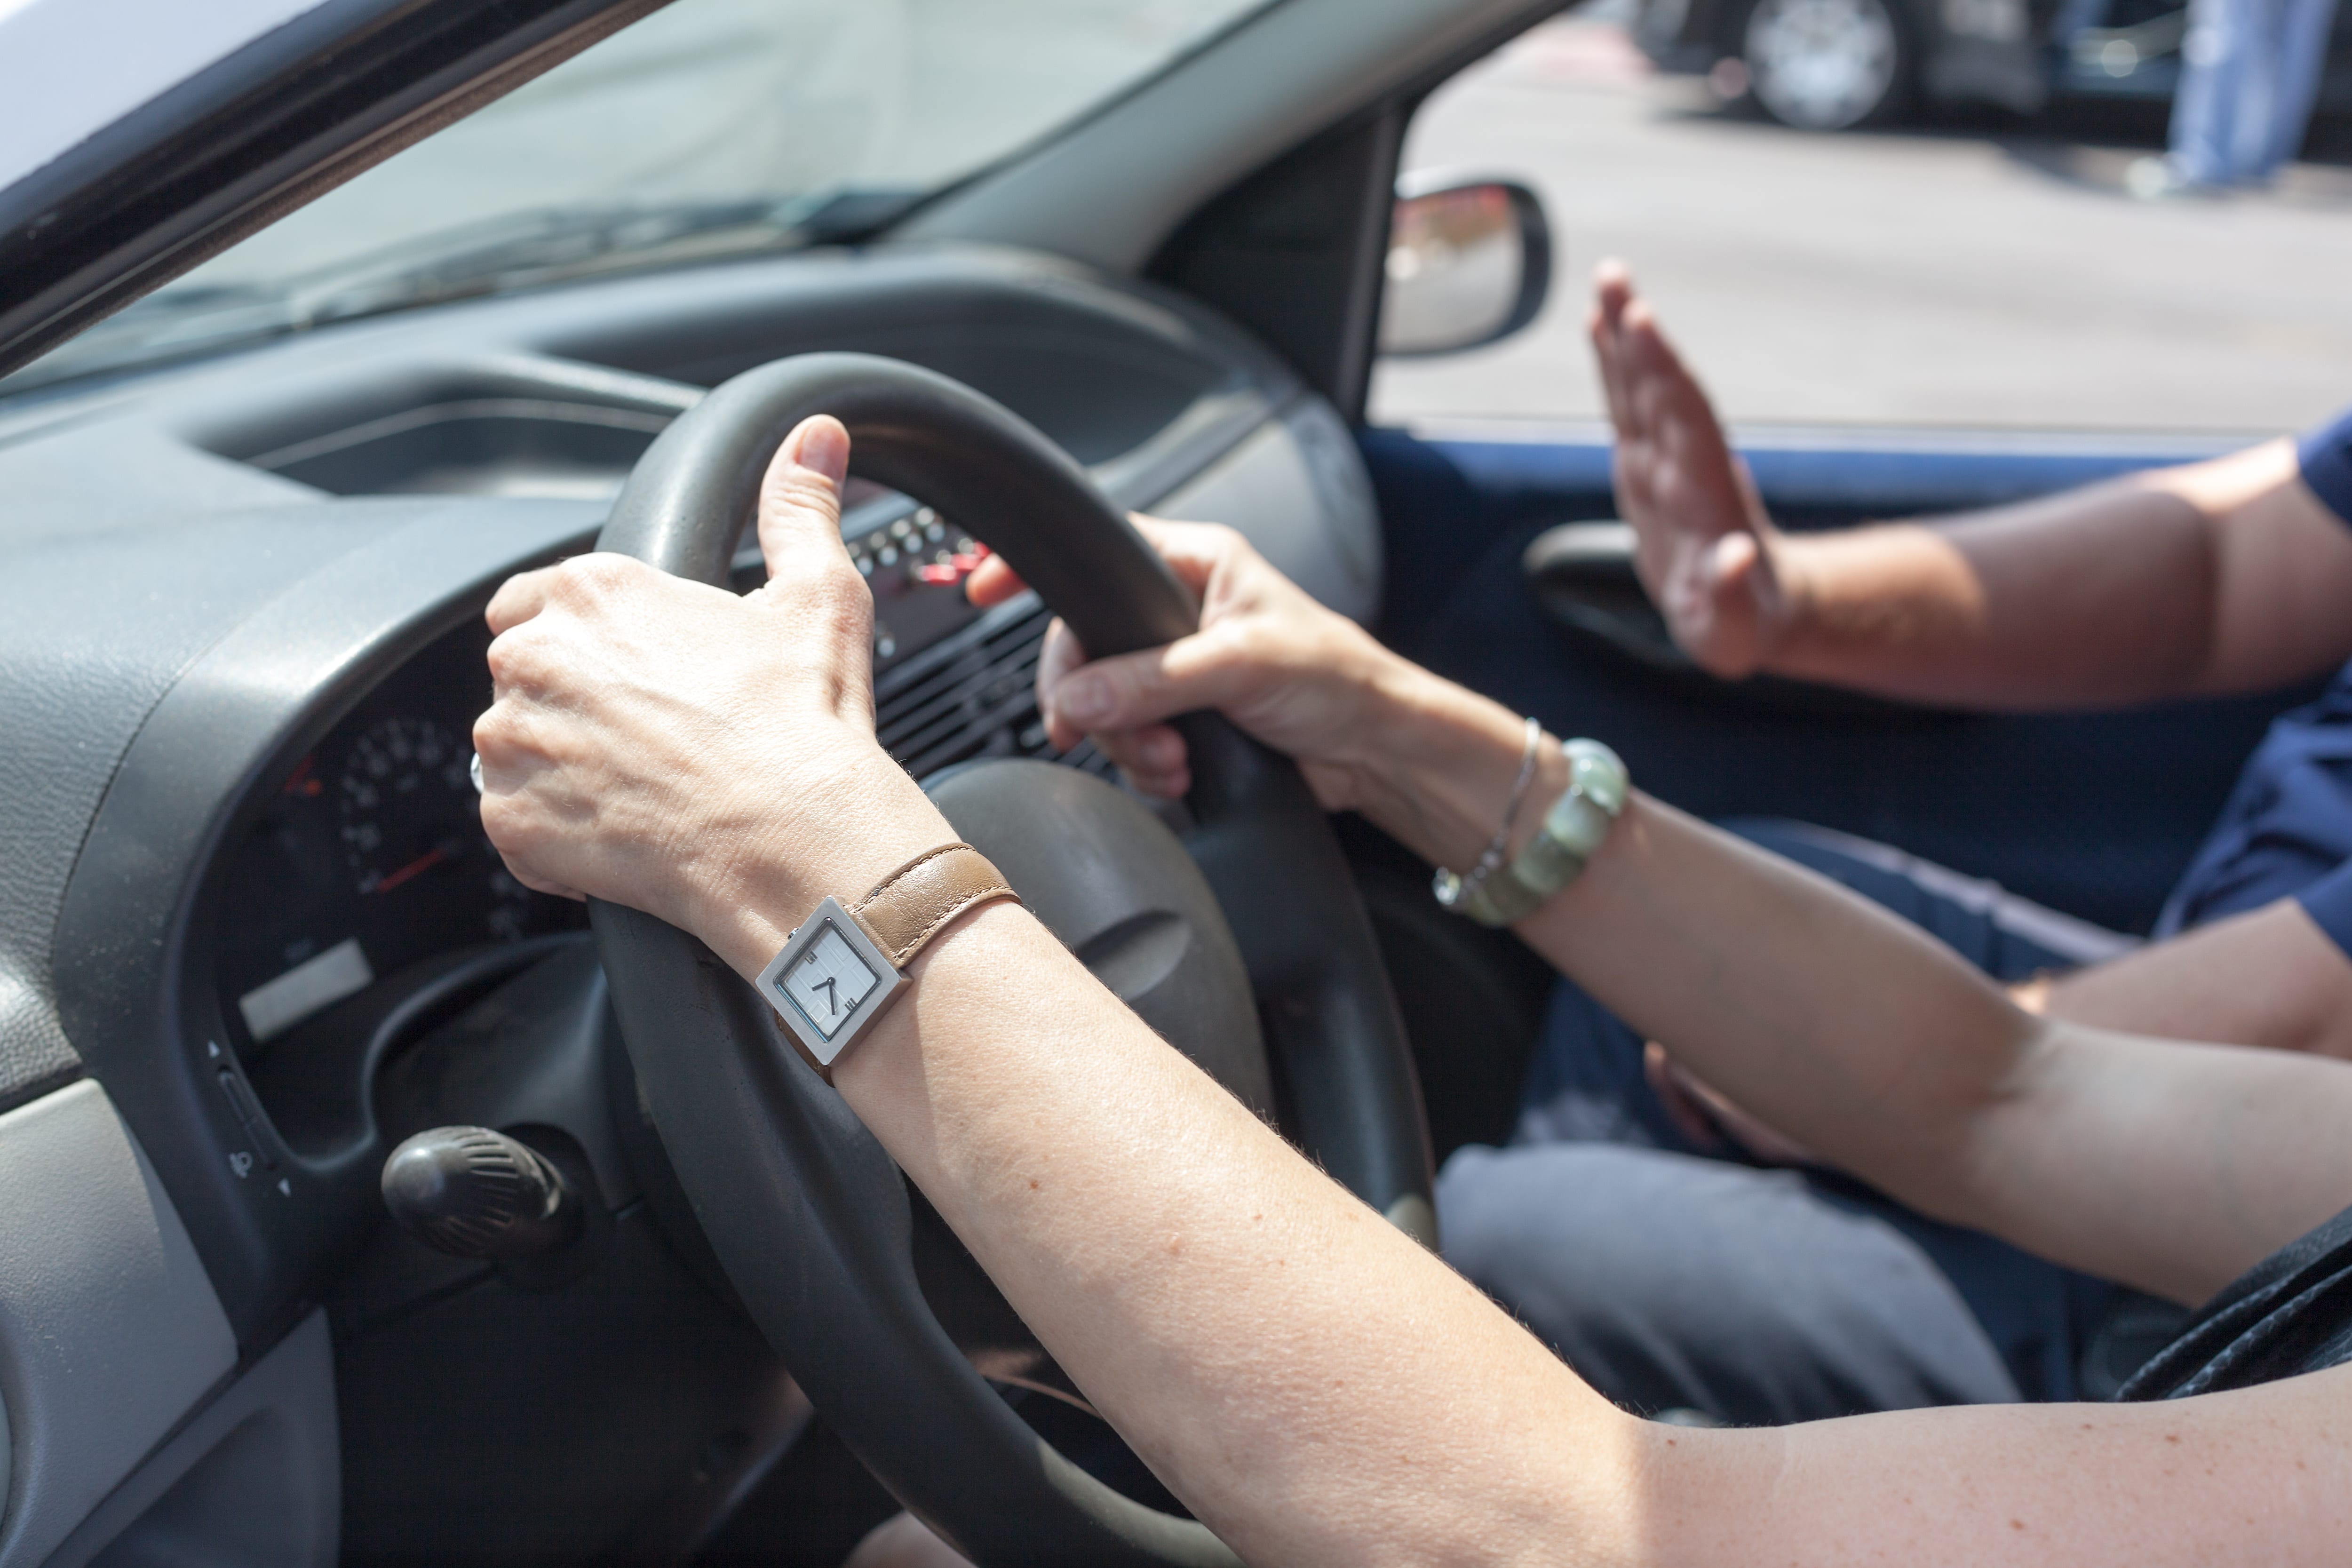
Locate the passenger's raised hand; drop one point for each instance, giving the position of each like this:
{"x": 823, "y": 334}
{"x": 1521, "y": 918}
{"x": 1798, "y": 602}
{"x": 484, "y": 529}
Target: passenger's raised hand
{"x": 1298, "y": 677}
{"x": 1704, "y": 549}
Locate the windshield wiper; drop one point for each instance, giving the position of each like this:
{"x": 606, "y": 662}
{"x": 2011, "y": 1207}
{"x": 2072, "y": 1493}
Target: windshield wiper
{"x": 525, "y": 250}
{"x": 539, "y": 247}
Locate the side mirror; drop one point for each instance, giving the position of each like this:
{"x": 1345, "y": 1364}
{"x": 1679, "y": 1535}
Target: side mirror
{"x": 1469, "y": 262}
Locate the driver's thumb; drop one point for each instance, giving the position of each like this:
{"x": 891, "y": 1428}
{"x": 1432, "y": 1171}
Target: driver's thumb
{"x": 800, "y": 495}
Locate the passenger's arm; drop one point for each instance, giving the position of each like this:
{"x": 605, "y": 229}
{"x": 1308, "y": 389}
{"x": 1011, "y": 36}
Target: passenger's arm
{"x": 2219, "y": 576}
{"x": 1307, "y": 1380}
{"x": 2268, "y": 977}
{"x": 2210, "y": 578}
{"x": 2170, "y": 1167}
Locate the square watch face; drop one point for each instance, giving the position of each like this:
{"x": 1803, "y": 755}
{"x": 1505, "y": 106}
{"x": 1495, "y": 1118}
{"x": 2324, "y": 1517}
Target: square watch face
{"x": 828, "y": 980}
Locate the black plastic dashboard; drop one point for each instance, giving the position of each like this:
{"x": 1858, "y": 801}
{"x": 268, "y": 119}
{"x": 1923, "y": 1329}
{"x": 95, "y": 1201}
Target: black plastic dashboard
{"x": 240, "y": 637}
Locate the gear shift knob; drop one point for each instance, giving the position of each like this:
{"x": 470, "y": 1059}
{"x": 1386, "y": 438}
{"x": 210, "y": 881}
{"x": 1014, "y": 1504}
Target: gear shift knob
{"x": 473, "y": 1193}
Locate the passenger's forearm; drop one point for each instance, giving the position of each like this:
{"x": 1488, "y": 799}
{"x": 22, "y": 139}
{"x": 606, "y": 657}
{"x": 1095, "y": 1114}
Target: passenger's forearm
{"x": 2268, "y": 977}
{"x": 2092, "y": 599}
{"x": 2217, "y": 576}
{"x": 1862, "y": 1038}
{"x": 1834, "y": 1023}
{"x": 1875, "y": 1045}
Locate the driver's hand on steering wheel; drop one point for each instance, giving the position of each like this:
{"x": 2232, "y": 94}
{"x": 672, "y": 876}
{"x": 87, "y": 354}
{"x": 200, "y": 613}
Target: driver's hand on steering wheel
{"x": 691, "y": 752}
{"x": 1302, "y": 679}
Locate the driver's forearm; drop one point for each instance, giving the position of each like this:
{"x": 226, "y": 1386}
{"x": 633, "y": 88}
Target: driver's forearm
{"x": 1320, "y": 1389}
{"x": 1293, "y": 1366}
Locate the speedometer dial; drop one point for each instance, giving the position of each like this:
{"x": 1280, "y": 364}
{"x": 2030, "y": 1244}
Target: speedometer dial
{"x": 408, "y": 805}
{"x": 415, "y": 875}
{"x": 370, "y": 857}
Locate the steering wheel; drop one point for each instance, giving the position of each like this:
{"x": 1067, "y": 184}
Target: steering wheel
{"x": 809, "y": 1216}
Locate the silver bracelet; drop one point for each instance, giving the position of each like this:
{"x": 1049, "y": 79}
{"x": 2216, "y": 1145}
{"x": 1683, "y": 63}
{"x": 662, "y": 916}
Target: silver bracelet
{"x": 1453, "y": 891}
{"x": 1569, "y": 837}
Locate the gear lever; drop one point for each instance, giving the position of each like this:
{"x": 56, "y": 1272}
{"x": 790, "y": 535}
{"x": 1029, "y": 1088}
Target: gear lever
{"x": 473, "y": 1193}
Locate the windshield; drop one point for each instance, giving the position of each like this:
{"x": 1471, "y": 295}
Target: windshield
{"x": 711, "y": 128}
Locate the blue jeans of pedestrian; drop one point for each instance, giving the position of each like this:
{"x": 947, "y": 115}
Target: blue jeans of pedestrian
{"x": 2250, "y": 73}
{"x": 1677, "y": 1276}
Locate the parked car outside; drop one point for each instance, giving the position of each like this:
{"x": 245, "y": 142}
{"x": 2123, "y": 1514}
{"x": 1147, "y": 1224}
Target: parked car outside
{"x": 1833, "y": 65}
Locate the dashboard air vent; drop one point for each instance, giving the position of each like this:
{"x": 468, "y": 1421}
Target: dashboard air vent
{"x": 972, "y": 694}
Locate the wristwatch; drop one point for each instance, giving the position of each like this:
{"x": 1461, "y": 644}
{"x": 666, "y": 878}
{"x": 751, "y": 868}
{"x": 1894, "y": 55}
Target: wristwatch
{"x": 844, "y": 966}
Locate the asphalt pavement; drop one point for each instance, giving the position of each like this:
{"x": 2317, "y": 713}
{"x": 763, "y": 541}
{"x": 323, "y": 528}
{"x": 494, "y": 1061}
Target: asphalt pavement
{"x": 1976, "y": 273}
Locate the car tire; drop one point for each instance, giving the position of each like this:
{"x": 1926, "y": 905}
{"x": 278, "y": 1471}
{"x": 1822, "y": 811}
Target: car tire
{"x": 1827, "y": 65}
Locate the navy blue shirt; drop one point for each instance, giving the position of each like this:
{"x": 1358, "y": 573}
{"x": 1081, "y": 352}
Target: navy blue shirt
{"x": 2287, "y": 828}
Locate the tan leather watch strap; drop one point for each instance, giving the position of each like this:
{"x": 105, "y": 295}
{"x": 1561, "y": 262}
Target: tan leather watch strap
{"x": 918, "y": 900}
{"x": 835, "y": 991}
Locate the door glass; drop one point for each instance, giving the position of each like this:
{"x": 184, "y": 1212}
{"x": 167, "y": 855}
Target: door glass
{"x": 1953, "y": 265}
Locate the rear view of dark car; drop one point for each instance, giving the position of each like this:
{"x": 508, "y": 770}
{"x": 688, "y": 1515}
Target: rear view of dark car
{"x": 1828, "y": 65}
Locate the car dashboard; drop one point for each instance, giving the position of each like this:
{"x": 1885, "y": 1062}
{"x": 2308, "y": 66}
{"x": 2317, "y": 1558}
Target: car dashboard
{"x": 368, "y": 857}
{"x": 243, "y": 635}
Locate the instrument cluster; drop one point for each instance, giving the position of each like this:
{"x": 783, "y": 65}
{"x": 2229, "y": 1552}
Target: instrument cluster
{"x": 369, "y": 857}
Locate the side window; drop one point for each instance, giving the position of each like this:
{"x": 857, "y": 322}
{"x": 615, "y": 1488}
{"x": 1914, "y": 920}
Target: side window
{"x": 1928, "y": 213}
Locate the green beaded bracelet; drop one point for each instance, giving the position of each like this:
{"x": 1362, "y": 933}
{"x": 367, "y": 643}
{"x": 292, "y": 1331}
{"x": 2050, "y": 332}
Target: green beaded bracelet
{"x": 1572, "y": 834}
